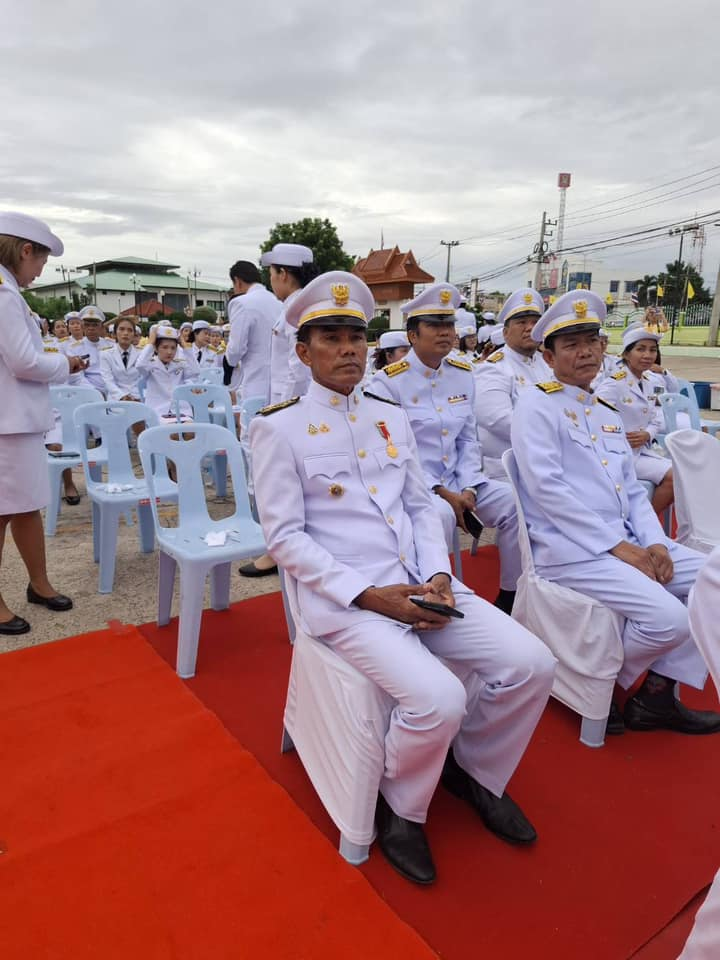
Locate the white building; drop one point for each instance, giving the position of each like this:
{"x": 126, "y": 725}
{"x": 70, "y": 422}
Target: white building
{"x": 129, "y": 282}
{"x": 613, "y": 284}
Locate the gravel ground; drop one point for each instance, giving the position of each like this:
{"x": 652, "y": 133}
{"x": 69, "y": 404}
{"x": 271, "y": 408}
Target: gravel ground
{"x": 134, "y": 597}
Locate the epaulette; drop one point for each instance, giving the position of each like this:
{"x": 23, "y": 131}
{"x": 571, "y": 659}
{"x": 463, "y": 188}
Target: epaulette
{"x": 63, "y": 339}
{"x": 550, "y": 386}
{"x": 460, "y": 364}
{"x": 110, "y": 346}
{"x": 393, "y": 369}
{"x": 494, "y": 357}
{"x": 143, "y": 342}
{"x": 374, "y": 396}
{"x": 50, "y": 350}
{"x": 274, "y": 407}
{"x": 606, "y": 403}
{"x": 620, "y": 375}
{"x": 478, "y": 360}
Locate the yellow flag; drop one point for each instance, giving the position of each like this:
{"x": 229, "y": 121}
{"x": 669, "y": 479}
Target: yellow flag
{"x": 691, "y": 291}
{"x": 660, "y": 291}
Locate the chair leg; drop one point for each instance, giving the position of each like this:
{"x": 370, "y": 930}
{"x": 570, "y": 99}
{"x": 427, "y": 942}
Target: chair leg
{"x": 457, "y": 555}
{"x": 286, "y": 744}
{"x": 96, "y": 532}
{"x": 109, "y": 517}
{"x": 52, "y": 511}
{"x": 220, "y": 586}
{"x": 354, "y": 853}
{"x": 286, "y": 607}
{"x": 166, "y": 584}
{"x": 146, "y": 528}
{"x": 192, "y": 592}
{"x": 220, "y": 474}
{"x": 474, "y": 546}
{"x": 592, "y": 732}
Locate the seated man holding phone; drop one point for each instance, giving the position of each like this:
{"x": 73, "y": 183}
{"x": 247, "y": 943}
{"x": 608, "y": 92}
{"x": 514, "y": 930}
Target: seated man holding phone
{"x": 346, "y": 511}
{"x": 437, "y": 392}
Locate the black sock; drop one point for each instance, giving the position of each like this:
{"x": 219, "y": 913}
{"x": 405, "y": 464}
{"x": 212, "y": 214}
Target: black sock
{"x": 657, "y": 692}
{"x": 504, "y": 601}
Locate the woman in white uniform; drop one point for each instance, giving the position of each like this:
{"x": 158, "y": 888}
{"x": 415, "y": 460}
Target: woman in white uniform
{"x": 118, "y": 363}
{"x": 166, "y": 367}
{"x": 632, "y": 392}
{"x": 25, "y": 412}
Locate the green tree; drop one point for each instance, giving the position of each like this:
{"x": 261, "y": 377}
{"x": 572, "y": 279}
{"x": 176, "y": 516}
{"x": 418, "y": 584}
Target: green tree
{"x": 674, "y": 280}
{"x": 52, "y": 308}
{"x": 320, "y": 235}
{"x": 646, "y": 284}
{"x": 205, "y": 313}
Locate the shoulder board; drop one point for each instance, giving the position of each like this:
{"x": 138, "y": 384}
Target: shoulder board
{"x": 393, "y": 369}
{"x": 494, "y": 357}
{"x": 274, "y": 407}
{"x": 606, "y": 403}
{"x": 63, "y": 339}
{"x": 550, "y": 386}
{"x": 620, "y": 375}
{"x": 109, "y": 347}
{"x": 478, "y": 360}
{"x": 374, "y": 396}
{"x": 50, "y": 350}
{"x": 460, "y": 364}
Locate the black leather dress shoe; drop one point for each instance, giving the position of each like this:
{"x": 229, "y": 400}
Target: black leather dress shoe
{"x": 615, "y": 723}
{"x": 14, "y": 627}
{"x": 638, "y": 716}
{"x": 250, "y": 570}
{"x": 404, "y": 844}
{"x": 58, "y": 602}
{"x": 501, "y": 815}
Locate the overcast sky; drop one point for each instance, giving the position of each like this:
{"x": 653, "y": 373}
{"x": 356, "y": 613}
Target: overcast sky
{"x": 185, "y": 131}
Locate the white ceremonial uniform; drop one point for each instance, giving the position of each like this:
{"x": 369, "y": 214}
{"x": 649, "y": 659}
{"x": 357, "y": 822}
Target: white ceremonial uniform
{"x": 75, "y": 348}
{"x": 252, "y": 316}
{"x": 92, "y": 374}
{"x": 498, "y": 383}
{"x": 341, "y": 511}
{"x": 121, "y": 379}
{"x": 162, "y": 378}
{"x": 636, "y": 403}
{"x": 25, "y": 411}
{"x": 704, "y": 940}
{"x": 439, "y": 404}
{"x": 206, "y": 357}
{"x": 581, "y": 498}
{"x": 289, "y": 377}
{"x": 610, "y": 365}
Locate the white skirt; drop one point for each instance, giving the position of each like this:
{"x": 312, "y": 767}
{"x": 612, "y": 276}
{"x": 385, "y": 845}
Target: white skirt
{"x": 24, "y": 483}
{"x": 651, "y": 466}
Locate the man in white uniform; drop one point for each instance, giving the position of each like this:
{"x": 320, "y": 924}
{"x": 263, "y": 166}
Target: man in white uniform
{"x": 345, "y": 511}
{"x": 438, "y": 393}
{"x": 592, "y": 527}
{"x": 505, "y": 374}
{"x": 252, "y": 315}
{"x": 92, "y": 319}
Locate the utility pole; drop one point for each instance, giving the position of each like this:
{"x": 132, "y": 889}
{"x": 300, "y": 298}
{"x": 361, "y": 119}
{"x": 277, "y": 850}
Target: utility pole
{"x": 715, "y": 315}
{"x": 687, "y": 228}
{"x": 449, "y": 244}
{"x": 541, "y": 247}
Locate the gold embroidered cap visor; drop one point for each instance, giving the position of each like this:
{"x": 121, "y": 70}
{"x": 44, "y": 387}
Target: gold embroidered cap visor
{"x": 572, "y": 325}
{"x": 439, "y": 315}
{"x": 334, "y": 317}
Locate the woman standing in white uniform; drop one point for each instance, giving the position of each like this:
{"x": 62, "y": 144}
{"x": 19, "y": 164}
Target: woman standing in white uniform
{"x": 25, "y": 412}
{"x": 632, "y": 392}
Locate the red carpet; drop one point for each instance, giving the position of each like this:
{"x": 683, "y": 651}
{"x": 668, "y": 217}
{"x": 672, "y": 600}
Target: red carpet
{"x": 133, "y": 826}
{"x": 628, "y": 834}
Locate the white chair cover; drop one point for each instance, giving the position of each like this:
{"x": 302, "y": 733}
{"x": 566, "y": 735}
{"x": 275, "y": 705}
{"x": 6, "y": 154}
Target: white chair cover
{"x": 696, "y": 470}
{"x": 704, "y": 940}
{"x": 584, "y": 635}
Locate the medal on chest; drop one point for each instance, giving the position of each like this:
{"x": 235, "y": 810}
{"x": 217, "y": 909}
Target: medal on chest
{"x": 390, "y": 448}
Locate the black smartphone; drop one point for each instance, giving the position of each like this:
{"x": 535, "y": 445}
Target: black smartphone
{"x": 442, "y": 608}
{"x": 473, "y": 523}
{"x": 61, "y": 453}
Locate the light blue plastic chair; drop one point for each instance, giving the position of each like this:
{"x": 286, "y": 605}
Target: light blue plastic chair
{"x": 248, "y": 408}
{"x": 184, "y": 545}
{"x": 65, "y": 399}
{"x": 210, "y": 403}
{"x": 674, "y": 403}
{"x": 212, "y": 375}
{"x": 111, "y": 421}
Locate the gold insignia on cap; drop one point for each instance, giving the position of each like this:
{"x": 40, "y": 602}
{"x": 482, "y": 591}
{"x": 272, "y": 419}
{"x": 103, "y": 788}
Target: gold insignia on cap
{"x": 527, "y": 298}
{"x": 445, "y": 297}
{"x": 340, "y": 294}
{"x": 336, "y": 489}
{"x": 581, "y": 309}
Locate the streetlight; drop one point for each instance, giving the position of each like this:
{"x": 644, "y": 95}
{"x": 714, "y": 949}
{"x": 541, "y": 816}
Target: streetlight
{"x": 133, "y": 281}
{"x": 162, "y": 302}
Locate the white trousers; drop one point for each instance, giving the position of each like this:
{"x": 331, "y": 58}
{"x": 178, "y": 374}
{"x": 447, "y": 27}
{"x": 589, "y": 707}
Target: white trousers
{"x": 490, "y": 729}
{"x": 657, "y": 631}
{"x": 495, "y": 506}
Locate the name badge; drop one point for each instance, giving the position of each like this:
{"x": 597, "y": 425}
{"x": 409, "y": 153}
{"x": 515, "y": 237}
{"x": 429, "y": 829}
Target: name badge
{"x": 611, "y": 428}
{"x": 458, "y": 398}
